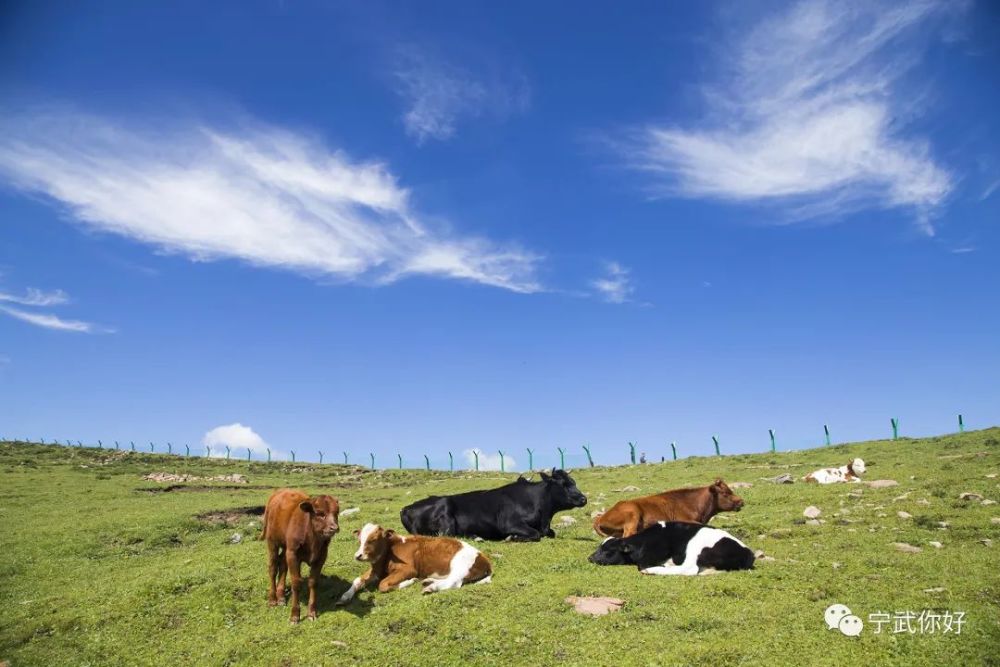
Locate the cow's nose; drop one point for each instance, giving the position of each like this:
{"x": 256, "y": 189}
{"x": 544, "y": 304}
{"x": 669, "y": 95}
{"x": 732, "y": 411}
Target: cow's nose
{"x": 359, "y": 557}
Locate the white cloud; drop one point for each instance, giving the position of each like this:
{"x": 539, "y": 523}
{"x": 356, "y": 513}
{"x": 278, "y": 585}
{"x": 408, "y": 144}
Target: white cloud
{"x": 53, "y": 322}
{"x": 259, "y": 194}
{"x": 438, "y": 95}
{"x": 807, "y": 115}
{"x": 615, "y": 286}
{"x": 488, "y": 461}
{"x": 36, "y": 297}
{"x": 238, "y": 437}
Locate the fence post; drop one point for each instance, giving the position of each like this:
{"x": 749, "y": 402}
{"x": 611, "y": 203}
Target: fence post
{"x": 132, "y": 442}
{"x": 320, "y": 457}
{"x": 345, "y": 458}
{"x": 427, "y": 462}
{"x": 531, "y": 460}
{"x": 590, "y": 460}
{"x": 826, "y": 430}
{"x": 961, "y": 425}
{"x": 476, "y": 454}
{"x": 152, "y": 449}
{"x": 79, "y": 445}
{"x": 170, "y": 448}
{"x": 895, "y": 427}
{"x": 42, "y": 440}
{"x": 715, "y": 441}
{"x": 227, "y": 452}
{"x": 501, "y": 461}
{"x": 293, "y": 455}
{"x": 673, "y": 447}
{"x": 372, "y": 454}
{"x": 248, "y": 455}
{"x": 268, "y": 454}
{"x": 69, "y": 444}
{"x": 187, "y": 450}
{"x": 631, "y": 451}
{"x": 100, "y": 445}
{"x": 451, "y": 463}
{"x": 116, "y": 445}
{"x": 562, "y": 458}
{"x": 771, "y": 431}
{"x": 400, "y": 457}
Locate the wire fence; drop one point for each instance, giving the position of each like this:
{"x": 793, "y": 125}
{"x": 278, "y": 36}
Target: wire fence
{"x": 474, "y": 459}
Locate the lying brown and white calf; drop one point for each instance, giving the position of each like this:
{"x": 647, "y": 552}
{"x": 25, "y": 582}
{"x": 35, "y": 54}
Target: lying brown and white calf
{"x": 398, "y": 561}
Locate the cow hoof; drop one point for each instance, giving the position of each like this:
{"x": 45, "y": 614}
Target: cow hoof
{"x": 312, "y": 616}
{"x": 294, "y": 620}
{"x": 272, "y": 603}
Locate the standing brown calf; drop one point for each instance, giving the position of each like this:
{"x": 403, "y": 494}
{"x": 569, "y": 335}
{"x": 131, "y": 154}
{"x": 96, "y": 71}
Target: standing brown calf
{"x": 697, "y": 505}
{"x": 297, "y": 529}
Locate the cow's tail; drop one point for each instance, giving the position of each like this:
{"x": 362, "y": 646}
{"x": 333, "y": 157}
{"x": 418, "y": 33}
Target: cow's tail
{"x": 597, "y": 525}
{"x": 263, "y": 526}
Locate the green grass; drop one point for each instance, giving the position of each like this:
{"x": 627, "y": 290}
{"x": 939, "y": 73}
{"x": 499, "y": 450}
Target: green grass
{"x": 96, "y": 571}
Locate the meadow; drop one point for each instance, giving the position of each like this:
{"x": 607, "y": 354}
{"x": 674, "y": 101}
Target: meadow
{"x": 101, "y": 567}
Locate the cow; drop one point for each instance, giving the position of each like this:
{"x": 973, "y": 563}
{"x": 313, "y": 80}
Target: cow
{"x": 398, "y": 561}
{"x": 297, "y": 528}
{"x": 699, "y": 505}
{"x": 676, "y": 547}
{"x": 519, "y": 511}
{"x": 850, "y": 473}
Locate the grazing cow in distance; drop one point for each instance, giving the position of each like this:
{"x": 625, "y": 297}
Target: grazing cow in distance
{"x": 297, "y": 528}
{"x": 675, "y": 547}
{"x": 521, "y": 510}
{"x": 397, "y": 562}
{"x": 699, "y": 505}
{"x": 850, "y": 473}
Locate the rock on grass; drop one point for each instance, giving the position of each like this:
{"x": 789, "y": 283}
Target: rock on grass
{"x": 906, "y": 548}
{"x": 595, "y": 606}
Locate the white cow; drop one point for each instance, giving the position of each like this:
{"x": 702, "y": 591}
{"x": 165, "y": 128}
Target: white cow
{"x": 850, "y": 473}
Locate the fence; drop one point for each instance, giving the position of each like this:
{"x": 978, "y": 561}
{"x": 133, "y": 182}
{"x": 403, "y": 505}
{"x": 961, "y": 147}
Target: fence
{"x": 476, "y": 459}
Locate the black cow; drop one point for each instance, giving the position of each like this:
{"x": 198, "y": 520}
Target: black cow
{"x": 520, "y": 511}
{"x": 676, "y": 547}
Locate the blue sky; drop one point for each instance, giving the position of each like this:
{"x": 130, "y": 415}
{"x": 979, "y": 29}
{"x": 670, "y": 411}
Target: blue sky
{"x": 388, "y": 228}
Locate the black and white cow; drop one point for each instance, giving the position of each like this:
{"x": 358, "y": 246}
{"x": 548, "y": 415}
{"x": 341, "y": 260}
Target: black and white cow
{"x": 522, "y": 510}
{"x": 675, "y": 547}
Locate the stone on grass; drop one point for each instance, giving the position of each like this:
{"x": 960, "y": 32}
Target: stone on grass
{"x": 986, "y": 542}
{"x": 236, "y": 538}
{"x": 904, "y": 515}
{"x": 936, "y": 545}
{"x": 968, "y": 495}
{"x": 992, "y": 475}
{"x": 987, "y": 501}
{"x": 811, "y": 512}
{"x": 595, "y": 606}
{"x": 813, "y": 522}
{"x": 339, "y": 644}
{"x": 935, "y": 590}
{"x": 780, "y": 479}
{"x": 906, "y": 548}
{"x": 350, "y": 510}
{"x": 740, "y": 485}
{"x": 781, "y": 532}
{"x": 567, "y": 520}
{"x": 995, "y": 520}
{"x": 882, "y": 483}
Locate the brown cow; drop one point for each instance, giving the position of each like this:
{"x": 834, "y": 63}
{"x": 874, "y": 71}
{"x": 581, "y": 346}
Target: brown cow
{"x": 398, "y": 561}
{"x": 298, "y": 529}
{"x": 697, "y": 505}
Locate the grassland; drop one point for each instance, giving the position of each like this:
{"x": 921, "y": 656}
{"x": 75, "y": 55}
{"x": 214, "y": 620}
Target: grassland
{"x": 102, "y": 568}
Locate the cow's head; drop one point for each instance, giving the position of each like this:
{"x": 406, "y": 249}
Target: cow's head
{"x": 373, "y": 541}
{"x": 613, "y": 551}
{"x": 724, "y": 498}
{"x": 857, "y": 466}
{"x": 324, "y": 513}
{"x": 563, "y": 491}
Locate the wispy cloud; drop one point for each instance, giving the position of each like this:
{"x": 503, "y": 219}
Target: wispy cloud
{"x": 438, "y": 95}
{"x": 615, "y": 286}
{"x": 263, "y": 195}
{"x": 238, "y": 437}
{"x": 36, "y": 297}
{"x": 808, "y": 116}
{"x": 488, "y": 461}
{"x": 961, "y": 250}
{"x": 49, "y": 321}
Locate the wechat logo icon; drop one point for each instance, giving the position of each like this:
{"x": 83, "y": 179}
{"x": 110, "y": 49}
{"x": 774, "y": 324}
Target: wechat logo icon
{"x": 839, "y": 617}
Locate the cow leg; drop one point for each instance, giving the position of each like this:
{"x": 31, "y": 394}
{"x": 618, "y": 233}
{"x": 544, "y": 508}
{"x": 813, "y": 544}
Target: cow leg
{"x": 395, "y": 580}
{"x": 688, "y": 568}
{"x": 524, "y": 534}
{"x": 273, "y": 556}
{"x": 282, "y": 572}
{"x": 315, "y": 571}
{"x": 549, "y": 532}
{"x": 356, "y": 586}
{"x": 296, "y": 570}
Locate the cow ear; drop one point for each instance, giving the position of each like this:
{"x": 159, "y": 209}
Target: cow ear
{"x": 544, "y": 477}
{"x": 390, "y": 532}
{"x": 306, "y": 507}
{"x": 357, "y": 533}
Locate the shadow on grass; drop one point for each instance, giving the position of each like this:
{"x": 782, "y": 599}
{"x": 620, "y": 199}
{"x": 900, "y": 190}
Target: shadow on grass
{"x": 331, "y": 587}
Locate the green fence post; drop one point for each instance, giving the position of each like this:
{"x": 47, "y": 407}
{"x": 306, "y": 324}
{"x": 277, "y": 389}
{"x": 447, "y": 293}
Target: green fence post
{"x": 320, "y": 457}
{"x": 187, "y": 451}
{"x": 372, "y": 454}
{"x": 895, "y": 427}
{"x": 400, "y": 457}
{"x": 427, "y": 463}
{"x": 345, "y": 458}
{"x": 152, "y": 449}
{"x": 476, "y": 454}
{"x": 771, "y": 432}
{"x": 208, "y": 451}
{"x": 715, "y": 441}
{"x": 132, "y": 442}
{"x": 248, "y": 455}
{"x": 293, "y": 456}
{"x": 501, "y": 461}
{"x": 451, "y": 462}
{"x": 531, "y": 460}
{"x": 268, "y": 454}
{"x": 170, "y": 448}
{"x": 42, "y": 440}
{"x": 961, "y": 425}
{"x": 673, "y": 447}
{"x": 631, "y": 451}
{"x": 116, "y": 445}
{"x": 589, "y": 459}
{"x": 227, "y": 452}
{"x": 826, "y": 430}
{"x": 562, "y": 458}
{"x": 100, "y": 445}
{"x": 79, "y": 445}
{"x": 69, "y": 444}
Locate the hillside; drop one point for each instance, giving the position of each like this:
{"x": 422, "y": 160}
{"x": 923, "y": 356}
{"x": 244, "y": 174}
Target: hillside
{"x": 103, "y": 568}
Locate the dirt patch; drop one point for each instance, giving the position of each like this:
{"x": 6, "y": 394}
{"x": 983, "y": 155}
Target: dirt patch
{"x": 193, "y": 488}
{"x": 231, "y": 516}
{"x": 173, "y": 477}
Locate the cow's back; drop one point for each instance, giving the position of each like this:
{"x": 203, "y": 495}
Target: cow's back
{"x": 676, "y": 505}
{"x": 478, "y": 513}
{"x": 281, "y": 516}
